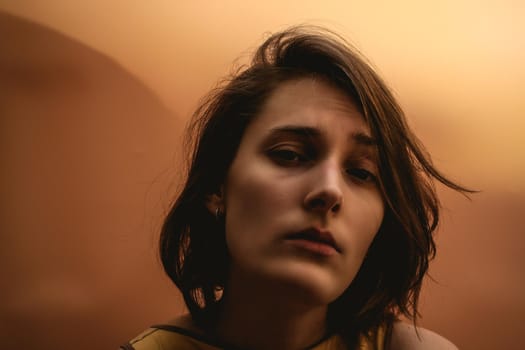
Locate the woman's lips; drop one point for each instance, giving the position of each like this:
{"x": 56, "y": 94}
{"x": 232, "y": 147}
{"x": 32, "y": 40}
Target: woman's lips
{"x": 320, "y": 242}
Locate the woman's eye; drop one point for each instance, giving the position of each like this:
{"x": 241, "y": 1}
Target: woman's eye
{"x": 287, "y": 156}
{"x": 361, "y": 174}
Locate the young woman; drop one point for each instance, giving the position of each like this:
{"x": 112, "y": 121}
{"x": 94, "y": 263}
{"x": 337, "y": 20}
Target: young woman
{"x": 307, "y": 216}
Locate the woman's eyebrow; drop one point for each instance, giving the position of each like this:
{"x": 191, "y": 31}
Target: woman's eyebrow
{"x": 297, "y": 132}
{"x": 358, "y": 137}
{"x": 363, "y": 139}
{"x": 301, "y": 131}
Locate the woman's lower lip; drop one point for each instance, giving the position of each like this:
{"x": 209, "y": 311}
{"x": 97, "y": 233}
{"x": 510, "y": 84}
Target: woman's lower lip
{"x": 315, "y": 247}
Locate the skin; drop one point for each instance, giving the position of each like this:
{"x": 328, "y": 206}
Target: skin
{"x": 282, "y": 182}
{"x": 405, "y": 337}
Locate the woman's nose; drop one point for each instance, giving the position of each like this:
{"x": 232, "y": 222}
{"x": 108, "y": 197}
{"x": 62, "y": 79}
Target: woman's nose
{"x": 325, "y": 194}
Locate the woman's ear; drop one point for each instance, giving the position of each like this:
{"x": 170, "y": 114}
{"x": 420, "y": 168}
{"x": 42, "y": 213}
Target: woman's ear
{"x": 215, "y": 202}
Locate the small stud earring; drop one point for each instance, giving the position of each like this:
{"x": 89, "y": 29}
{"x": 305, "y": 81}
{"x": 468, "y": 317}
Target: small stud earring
{"x": 218, "y": 213}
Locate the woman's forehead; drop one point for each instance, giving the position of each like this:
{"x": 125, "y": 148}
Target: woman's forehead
{"x": 311, "y": 103}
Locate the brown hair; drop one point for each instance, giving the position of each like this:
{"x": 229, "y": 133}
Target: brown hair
{"x": 192, "y": 245}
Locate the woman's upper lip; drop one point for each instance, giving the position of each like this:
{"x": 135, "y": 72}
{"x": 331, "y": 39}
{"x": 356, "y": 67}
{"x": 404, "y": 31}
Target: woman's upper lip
{"x": 317, "y": 235}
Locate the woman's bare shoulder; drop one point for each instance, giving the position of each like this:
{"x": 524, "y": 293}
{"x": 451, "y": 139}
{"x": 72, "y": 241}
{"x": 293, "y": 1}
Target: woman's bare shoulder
{"x": 405, "y": 337}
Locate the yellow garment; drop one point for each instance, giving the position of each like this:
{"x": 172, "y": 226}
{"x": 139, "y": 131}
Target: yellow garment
{"x": 175, "y": 338}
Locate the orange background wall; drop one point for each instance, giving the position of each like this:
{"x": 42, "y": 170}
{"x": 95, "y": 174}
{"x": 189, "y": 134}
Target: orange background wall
{"x": 93, "y": 98}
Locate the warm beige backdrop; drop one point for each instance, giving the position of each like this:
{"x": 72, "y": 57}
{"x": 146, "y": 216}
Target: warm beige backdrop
{"x": 93, "y": 97}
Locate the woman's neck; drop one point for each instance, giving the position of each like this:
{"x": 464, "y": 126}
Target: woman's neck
{"x": 262, "y": 317}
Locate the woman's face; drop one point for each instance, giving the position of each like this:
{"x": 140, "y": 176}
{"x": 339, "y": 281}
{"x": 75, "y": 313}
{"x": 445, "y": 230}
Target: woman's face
{"x": 301, "y": 199}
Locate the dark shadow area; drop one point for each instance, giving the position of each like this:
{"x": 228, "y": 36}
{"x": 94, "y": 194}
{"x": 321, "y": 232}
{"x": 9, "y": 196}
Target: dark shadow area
{"x": 87, "y": 153}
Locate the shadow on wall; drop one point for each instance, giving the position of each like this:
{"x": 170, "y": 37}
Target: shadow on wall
{"x": 88, "y": 154}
